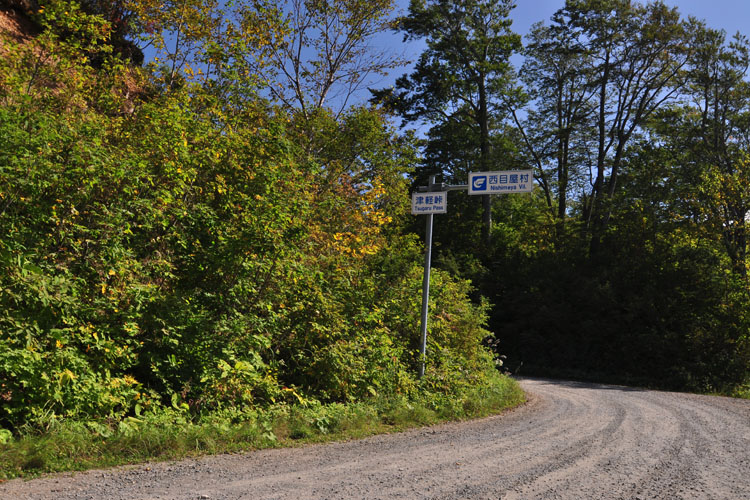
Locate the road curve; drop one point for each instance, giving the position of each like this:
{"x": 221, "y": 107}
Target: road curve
{"x": 571, "y": 441}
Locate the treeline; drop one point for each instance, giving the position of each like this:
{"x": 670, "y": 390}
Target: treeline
{"x": 629, "y": 263}
{"x": 222, "y": 230}
{"x": 175, "y": 238}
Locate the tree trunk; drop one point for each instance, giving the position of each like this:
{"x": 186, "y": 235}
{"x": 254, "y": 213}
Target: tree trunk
{"x": 484, "y": 159}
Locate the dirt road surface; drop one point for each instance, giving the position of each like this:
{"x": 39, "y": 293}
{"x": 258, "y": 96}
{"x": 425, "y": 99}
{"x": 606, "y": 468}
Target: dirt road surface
{"x": 571, "y": 441}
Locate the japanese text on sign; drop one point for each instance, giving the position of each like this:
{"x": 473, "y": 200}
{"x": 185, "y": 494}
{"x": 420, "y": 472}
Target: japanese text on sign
{"x": 429, "y": 203}
{"x": 508, "y": 181}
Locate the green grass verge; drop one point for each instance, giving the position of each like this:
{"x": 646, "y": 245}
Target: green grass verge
{"x": 742, "y": 391}
{"x": 171, "y": 434}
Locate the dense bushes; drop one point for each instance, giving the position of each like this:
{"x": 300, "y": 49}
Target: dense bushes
{"x": 660, "y": 310}
{"x": 177, "y": 250}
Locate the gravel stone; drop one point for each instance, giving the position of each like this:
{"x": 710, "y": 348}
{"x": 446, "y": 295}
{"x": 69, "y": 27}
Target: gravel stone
{"x": 570, "y": 441}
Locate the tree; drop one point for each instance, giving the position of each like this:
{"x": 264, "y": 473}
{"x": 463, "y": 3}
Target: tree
{"x": 192, "y": 254}
{"x": 608, "y": 66}
{"x": 638, "y": 53}
{"x": 721, "y": 91}
{"x": 460, "y": 76}
{"x": 707, "y": 138}
{"x": 325, "y": 56}
{"x": 553, "y": 133}
{"x": 121, "y": 18}
{"x": 179, "y": 30}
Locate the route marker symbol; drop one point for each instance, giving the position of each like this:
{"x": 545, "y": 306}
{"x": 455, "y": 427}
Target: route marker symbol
{"x": 432, "y": 199}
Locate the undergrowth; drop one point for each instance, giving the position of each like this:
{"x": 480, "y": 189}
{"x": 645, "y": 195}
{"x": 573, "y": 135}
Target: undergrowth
{"x": 743, "y": 391}
{"x": 172, "y": 434}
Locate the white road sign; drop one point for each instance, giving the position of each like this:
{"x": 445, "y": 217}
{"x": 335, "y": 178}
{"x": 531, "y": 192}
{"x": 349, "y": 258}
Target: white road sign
{"x": 429, "y": 203}
{"x": 506, "y": 181}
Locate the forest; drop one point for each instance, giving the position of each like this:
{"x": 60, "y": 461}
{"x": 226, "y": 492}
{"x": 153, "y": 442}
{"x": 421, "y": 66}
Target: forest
{"x": 629, "y": 262}
{"x": 224, "y": 228}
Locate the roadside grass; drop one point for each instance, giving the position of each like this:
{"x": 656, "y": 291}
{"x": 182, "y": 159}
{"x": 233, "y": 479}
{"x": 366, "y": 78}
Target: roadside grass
{"x": 171, "y": 434}
{"x": 742, "y": 391}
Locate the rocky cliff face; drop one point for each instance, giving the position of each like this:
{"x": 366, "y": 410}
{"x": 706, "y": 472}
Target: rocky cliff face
{"x": 15, "y": 20}
{"x": 23, "y": 5}
{"x": 18, "y": 31}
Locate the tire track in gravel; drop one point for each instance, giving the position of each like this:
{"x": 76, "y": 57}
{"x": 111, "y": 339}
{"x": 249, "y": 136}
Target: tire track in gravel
{"x": 570, "y": 441}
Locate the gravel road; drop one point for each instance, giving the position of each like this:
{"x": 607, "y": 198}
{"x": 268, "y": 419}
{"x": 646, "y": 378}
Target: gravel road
{"x": 571, "y": 441}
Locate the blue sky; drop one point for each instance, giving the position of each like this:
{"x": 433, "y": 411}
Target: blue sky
{"x": 729, "y": 15}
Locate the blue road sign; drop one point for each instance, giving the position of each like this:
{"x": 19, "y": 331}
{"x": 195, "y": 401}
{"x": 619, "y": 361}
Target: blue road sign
{"x": 503, "y": 182}
{"x": 479, "y": 183}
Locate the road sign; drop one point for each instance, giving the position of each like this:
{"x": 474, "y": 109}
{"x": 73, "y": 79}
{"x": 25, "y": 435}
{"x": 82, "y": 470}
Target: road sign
{"x": 429, "y": 203}
{"x": 433, "y": 199}
{"x": 506, "y": 181}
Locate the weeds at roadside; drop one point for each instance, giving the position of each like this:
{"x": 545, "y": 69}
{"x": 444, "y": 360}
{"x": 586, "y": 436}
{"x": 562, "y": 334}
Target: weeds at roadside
{"x": 742, "y": 392}
{"x": 69, "y": 446}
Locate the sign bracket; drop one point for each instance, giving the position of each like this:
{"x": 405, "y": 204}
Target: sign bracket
{"x": 426, "y": 200}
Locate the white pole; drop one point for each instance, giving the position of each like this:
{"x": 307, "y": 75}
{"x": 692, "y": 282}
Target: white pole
{"x": 426, "y": 287}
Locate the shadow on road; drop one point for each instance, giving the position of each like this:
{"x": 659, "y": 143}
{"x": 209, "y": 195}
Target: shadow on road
{"x": 582, "y": 385}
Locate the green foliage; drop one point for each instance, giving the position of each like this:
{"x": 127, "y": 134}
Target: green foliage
{"x": 457, "y": 87}
{"x": 629, "y": 262}
{"x": 172, "y": 434}
{"x": 186, "y": 251}
{"x": 659, "y": 309}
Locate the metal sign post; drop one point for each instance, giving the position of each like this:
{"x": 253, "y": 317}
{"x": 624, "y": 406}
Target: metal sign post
{"x": 420, "y": 205}
{"x": 429, "y": 200}
{"x": 432, "y": 199}
{"x": 425, "y": 294}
